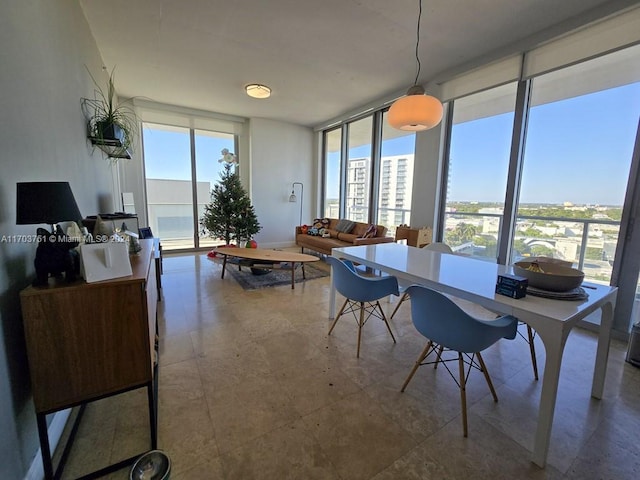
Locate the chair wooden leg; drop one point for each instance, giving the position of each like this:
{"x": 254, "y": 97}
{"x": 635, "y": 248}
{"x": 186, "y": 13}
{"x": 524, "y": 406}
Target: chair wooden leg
{"x": 338, "y": 316}
{"x": 463, "y": 393}
{"x": 420, "y": 359}
{"x": 439, "y": 357}
{"x": 360, "y": 323}
{"x": 384, "y": 317}
{"x": 487, "y": 377}
{"x": 532, "y": 348}
{"x": 402, "y": 299}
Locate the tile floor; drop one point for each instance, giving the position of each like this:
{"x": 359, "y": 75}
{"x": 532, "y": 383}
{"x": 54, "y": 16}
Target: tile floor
{"x": 251, "y": 387}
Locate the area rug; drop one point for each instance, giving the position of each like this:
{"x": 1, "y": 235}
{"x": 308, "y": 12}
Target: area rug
{"x": 275, "y": 277}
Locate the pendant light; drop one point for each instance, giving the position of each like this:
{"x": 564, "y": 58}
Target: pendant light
{"x": 416, "y": 111}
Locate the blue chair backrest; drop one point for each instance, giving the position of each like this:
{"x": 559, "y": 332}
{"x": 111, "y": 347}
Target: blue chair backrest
{"x": 354, "y": 286}
{"x": 439, "y": 319}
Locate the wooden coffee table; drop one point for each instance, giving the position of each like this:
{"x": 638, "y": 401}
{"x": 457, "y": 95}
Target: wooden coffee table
{"x": 267, "y": 259}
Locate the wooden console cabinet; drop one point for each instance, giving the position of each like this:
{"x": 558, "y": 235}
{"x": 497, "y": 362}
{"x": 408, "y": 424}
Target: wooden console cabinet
{"x": 87, "y": 341}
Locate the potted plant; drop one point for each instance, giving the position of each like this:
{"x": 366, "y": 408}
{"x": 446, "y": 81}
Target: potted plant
{"x": 111, "y": 123}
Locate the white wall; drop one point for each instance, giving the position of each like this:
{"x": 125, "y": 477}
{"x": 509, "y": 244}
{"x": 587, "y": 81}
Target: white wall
{"x": 45, "y": 46}
{"x": 281, "y": 153}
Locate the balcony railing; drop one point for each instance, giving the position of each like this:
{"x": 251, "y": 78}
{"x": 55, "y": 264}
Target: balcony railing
{"x": 588, "y": 243}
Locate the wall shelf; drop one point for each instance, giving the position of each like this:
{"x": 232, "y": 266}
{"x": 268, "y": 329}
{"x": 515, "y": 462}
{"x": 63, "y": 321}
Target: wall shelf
{"x": 111, "y": 147}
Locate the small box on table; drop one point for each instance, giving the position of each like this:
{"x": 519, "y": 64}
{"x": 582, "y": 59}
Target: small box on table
{"x": 513, "y": 286}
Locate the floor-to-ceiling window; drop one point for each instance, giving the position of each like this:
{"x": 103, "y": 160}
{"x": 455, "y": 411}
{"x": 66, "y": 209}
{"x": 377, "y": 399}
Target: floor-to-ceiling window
{"x": 167, "y": 155}
{"x": 477, "y": 170}
{"x": 359, "y": 169}
{"x": 395, "y": 179}
{"x": 580, "y": 136}
{"x": 332, "y": 169}
{"x": 208, "y": 167}
{"x": 181, "y": 167}
{"x": 373, "y": 181}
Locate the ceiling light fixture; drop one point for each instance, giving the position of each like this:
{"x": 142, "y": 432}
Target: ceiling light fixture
{"x": 416, "y": 111}
{"x": 256, "y": 90}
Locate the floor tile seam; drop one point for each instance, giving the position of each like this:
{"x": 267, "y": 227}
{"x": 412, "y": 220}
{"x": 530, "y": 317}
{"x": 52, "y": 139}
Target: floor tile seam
{"x": 247, "y": 441}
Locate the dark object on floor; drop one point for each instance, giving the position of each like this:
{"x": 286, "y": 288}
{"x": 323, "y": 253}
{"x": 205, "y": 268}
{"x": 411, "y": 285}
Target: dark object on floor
{"x": 256, "y": 270}
{"x": 276, "y": 277}
{"x": 153, "y": 465}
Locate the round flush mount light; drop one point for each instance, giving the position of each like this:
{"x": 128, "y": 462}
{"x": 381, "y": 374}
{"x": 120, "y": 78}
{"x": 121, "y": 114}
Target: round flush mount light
{"x": 257, "y": 90}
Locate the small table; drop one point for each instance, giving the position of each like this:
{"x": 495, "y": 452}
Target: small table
{"x": 265, "y": 258}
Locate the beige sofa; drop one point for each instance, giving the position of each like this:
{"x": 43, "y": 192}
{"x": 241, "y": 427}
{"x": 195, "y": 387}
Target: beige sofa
{"x": 339, "y": 239}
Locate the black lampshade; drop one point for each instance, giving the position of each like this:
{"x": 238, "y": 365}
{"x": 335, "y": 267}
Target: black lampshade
{"x": 45, "y": 202}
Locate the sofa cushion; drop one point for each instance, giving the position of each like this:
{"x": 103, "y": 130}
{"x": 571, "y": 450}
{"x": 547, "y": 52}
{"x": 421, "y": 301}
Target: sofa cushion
{"x": 345, "y": 226}
{"x": 371, "y": 232}
{"x": 320, "y": 223}
{"x": 347, "y": 237}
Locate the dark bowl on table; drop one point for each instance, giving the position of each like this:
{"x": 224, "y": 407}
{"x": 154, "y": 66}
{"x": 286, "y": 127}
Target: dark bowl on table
{"x": 553, "y": 277}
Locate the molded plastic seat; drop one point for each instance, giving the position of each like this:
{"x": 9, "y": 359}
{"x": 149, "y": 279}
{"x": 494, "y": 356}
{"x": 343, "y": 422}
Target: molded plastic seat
{"x": 448, "y": 327}
{"x": 434, "y": 247}
{"x": 362, "y": 294}
{"x": 475, "y": 310}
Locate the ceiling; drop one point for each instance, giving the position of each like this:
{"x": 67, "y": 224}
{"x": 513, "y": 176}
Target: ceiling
{"x": 321, "y": 58}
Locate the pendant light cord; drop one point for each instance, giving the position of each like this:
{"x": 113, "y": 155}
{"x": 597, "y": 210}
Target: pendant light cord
{"x": 418, "y": 41}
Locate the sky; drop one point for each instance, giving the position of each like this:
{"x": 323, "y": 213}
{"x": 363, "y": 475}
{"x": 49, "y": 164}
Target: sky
{"x": 168, "y": 155}
{"x": 577, "y": 150}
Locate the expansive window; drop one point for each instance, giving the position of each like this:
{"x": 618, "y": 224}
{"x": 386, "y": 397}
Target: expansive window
{"x": 181, "y": 167}
{"x": 395, "y": 184}
{"x": 373, "y": 182}
{"x": 208, "y": 167}
{"x": 332, "y": 169}
{"x": 580, "y": 137}
{"x": 477, "y": 170}
{"x": 167, "y": 155}
{"x": 359, "y": 169}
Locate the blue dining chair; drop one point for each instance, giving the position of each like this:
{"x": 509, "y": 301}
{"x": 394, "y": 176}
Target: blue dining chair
{"x": 448, "y": 327}
{"x": 434, "y": 247}
{"x": 362, "y": 295}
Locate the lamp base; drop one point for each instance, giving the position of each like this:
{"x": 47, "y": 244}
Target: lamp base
{"x": 55, "y": 256}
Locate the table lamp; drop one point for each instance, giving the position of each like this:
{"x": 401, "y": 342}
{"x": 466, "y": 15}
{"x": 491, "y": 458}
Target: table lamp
{"x": 49, "y": 202}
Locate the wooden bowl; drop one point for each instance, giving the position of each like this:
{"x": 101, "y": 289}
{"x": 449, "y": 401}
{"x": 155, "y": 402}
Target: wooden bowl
{"x": 554, "y": 277}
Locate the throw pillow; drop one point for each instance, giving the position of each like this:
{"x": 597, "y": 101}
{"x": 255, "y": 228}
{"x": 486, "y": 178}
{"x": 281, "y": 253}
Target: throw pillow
{"x": 320, "y": 223}
{"x": 345, "y": 226}
{"x": 371, "y": 231}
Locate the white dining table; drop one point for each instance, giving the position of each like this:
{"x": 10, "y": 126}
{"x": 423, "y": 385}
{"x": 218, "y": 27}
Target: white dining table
{"x": 475, "y": 280}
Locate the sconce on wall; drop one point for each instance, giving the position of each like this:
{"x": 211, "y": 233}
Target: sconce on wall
{"x": 294, "y": 199}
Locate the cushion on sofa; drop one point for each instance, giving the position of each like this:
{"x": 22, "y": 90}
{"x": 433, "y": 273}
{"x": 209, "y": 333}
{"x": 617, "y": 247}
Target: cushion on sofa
{"x": 320, "y": 223}
{"x": 347, "y": 237}
{"x": 372, "y": 231}
{"x": 345, "y": 226}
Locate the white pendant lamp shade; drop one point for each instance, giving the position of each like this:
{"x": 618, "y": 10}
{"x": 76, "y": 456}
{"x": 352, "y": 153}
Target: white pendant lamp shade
{"x": 415, "y": 111}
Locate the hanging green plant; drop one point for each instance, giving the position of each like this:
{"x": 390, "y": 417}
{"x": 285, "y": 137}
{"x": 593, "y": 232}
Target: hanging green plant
{"x": 112, "y": 124}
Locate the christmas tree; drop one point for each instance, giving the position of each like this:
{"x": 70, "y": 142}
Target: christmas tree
{"x": 230, "y": 215}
